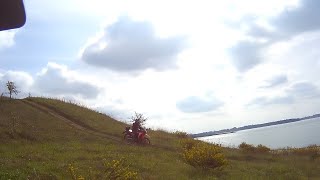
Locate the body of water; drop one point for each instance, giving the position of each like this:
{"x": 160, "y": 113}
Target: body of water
{"x": 296, "y": 134}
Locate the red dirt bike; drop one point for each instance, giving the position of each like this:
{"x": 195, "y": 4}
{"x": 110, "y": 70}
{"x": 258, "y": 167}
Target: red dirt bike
{"x": 143, "y": 137}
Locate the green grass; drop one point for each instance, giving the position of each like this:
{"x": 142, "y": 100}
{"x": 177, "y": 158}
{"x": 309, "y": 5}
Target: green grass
{"x": 88, "y": 117}
{"x": 41, "y": 146}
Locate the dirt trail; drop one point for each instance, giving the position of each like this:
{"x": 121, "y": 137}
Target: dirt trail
{"x": 79, "y": 125}
{"x": 69, "y": 121}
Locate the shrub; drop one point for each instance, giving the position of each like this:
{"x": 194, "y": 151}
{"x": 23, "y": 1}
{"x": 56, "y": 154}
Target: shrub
{"x": 73, "y": 173}
{"x": 203, "y": 155}
{"x": 262, "y": 149}
{"x": 313, "y": 151}
{"x": 310, "y": 150}
{"x": 181, "y": 134}
{"x": 189, "y": 143}
{"x": 117, "y": 169}
{"x": 247, "y": 148}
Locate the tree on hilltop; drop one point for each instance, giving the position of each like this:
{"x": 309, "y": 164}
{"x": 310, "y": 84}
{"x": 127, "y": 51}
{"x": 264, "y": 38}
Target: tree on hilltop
{"x": 12, "y": 88}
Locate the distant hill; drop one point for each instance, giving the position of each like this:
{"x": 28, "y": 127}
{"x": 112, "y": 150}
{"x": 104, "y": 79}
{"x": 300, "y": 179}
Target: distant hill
{"x": 232, "y": 130}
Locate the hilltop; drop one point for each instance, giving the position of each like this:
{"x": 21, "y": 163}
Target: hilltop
{"x": 42, "y": 138}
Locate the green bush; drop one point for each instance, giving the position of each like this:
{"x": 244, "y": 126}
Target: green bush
{"x": 262, "y": 149}
{"x": 203, "y": 155}
{"x": 247, "y": 148}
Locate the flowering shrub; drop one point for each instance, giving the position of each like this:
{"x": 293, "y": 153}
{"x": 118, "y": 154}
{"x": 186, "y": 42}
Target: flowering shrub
{"x": 74, "y": 175}
{"x": 117, "y": 169}
{"x": 203, "y": 155}
{"x": 188, "y": 143}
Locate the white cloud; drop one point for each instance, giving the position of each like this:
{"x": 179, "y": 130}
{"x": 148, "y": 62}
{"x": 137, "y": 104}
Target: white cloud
{"x": 288, "y": 24}
{"x": 194, "y": 104}
{"x": 304, "y": 90}
{"x": 132, "y": 46}
{"x": 297, "y": 93}
{"x": 7, "y": 38}
{"x": 267, "y": 48}
{"x": 245, "y": 55}
{"x": 22, "y": 80}
{"x": 276, "y": 81}
{"x": 265, "y": 101}
{"x": 55, "y": 80}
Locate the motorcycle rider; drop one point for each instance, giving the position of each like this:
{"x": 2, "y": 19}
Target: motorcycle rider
{"x": 136, "y": 127}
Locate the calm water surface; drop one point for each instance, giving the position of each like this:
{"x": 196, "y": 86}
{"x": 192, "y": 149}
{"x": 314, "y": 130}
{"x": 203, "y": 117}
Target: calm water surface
{"x": 297, "y": 134}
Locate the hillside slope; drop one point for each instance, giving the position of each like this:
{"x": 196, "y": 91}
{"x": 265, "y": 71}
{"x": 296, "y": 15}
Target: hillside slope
{"x": 41, "y": 138}
{"x": 84, "y": 119}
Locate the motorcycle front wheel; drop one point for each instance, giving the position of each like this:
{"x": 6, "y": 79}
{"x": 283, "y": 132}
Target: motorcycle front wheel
{"x": 128, "y": 139}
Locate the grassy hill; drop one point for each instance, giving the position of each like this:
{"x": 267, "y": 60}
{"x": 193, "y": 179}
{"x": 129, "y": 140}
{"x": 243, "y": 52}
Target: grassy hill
{"x": 46, "y": 139}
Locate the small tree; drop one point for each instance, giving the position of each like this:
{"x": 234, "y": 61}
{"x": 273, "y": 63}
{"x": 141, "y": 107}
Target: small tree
{"x": 12, "y": 88}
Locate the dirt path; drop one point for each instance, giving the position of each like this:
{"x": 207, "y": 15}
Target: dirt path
{"x": 70, "y": 122}
{"x": 79, "y": 125}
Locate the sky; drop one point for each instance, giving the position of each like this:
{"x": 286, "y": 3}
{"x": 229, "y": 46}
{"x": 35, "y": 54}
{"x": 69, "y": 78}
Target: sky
{"x": 191, "y": 66}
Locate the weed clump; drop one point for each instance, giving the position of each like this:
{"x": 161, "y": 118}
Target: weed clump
{"x": 248, "y": 148}
{"x": 73, "y": 173}
{"x": 116, "y": 170}
{"x": 313, "y": 151}
{"x": 203, "y": 155}
{"x": 181, "y": 134}
{"x": 262, "y": 149}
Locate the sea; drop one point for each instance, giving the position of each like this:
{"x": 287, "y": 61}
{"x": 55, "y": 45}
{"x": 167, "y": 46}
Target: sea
{"x": 296, "y": 134}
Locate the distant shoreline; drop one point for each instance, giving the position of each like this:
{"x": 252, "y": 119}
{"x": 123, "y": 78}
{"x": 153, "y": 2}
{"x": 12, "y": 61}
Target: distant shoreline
{"x": 235, "y": 129}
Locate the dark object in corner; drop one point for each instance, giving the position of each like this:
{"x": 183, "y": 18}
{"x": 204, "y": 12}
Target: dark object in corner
{"x": 12, "y": 14}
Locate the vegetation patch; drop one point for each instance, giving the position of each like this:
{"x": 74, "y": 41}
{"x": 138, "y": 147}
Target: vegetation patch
{"x": 116, "y": 170}
{"x": 248, "y": 148}
{"x": 311, "y": 151}
{"x": 203, "y": 155}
